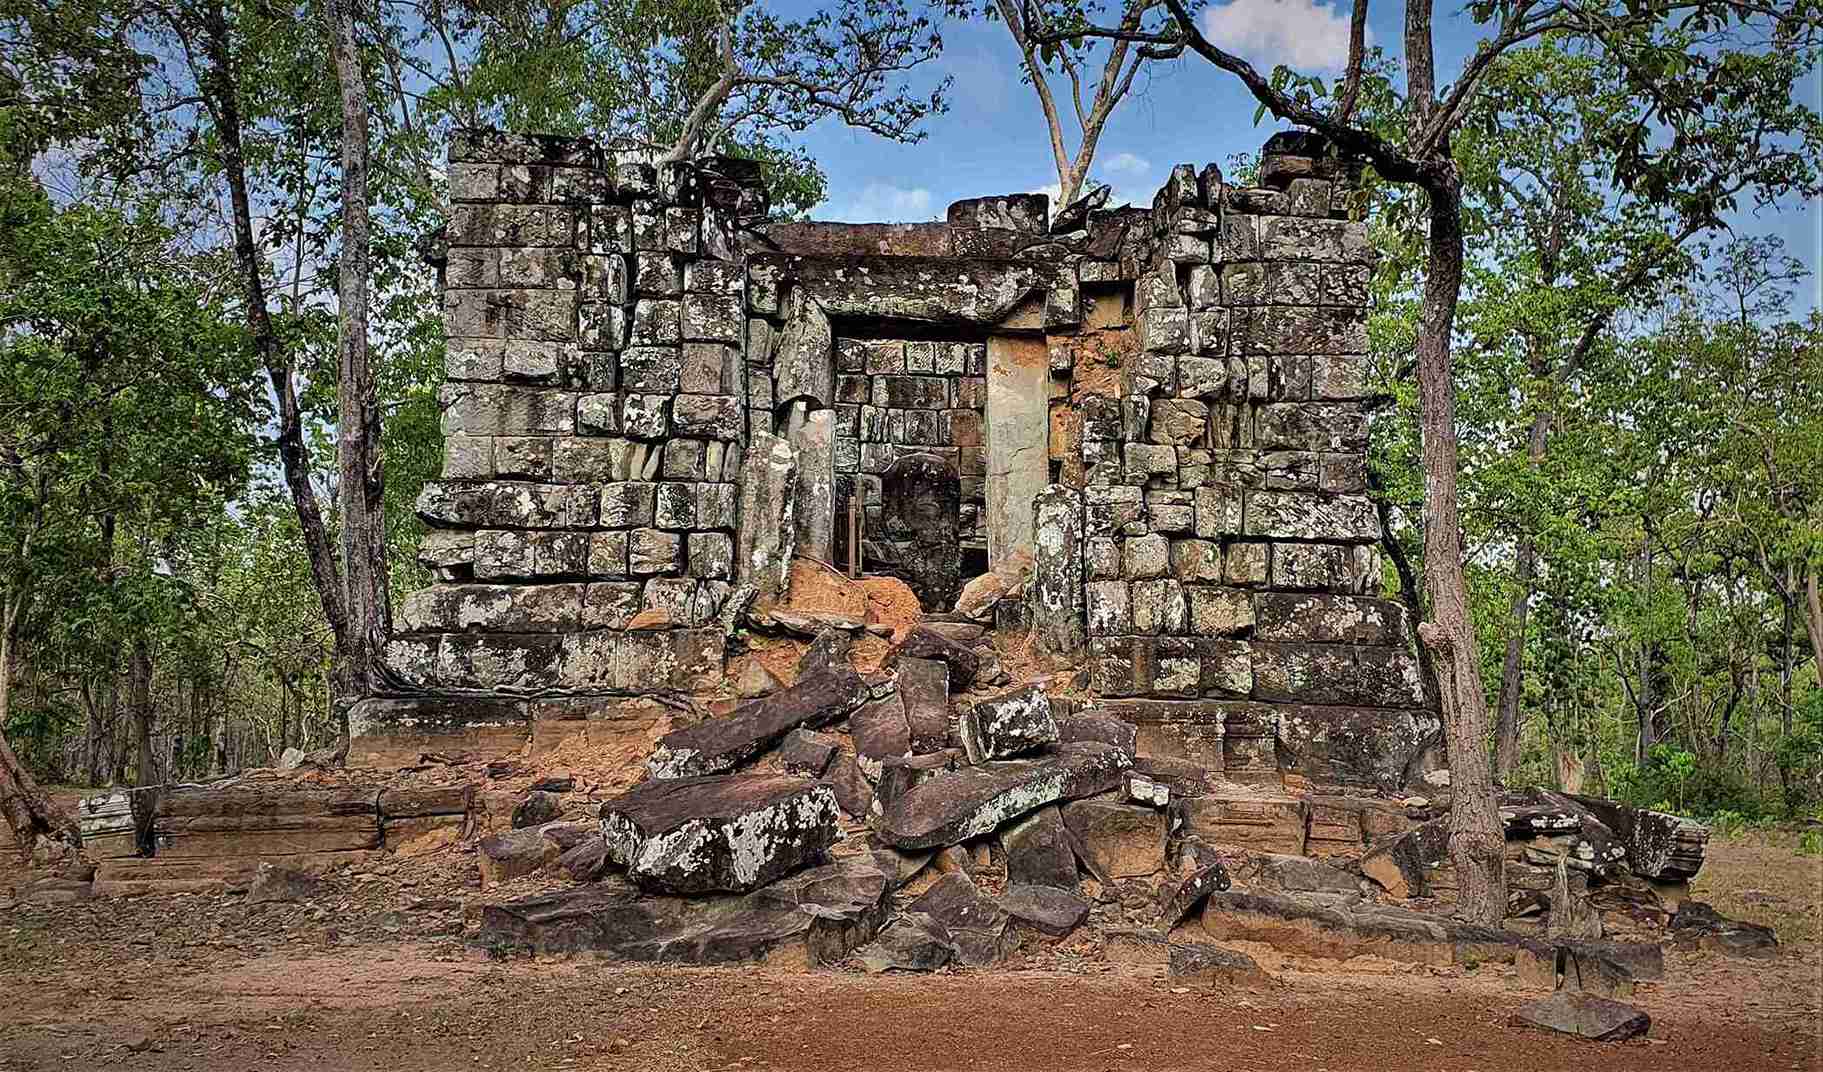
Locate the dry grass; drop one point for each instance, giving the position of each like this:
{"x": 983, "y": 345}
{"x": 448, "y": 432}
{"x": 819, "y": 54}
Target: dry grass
{"x": 1758, "y": 876}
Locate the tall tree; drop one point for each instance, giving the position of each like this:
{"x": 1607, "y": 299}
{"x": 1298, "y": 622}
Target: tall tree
{"x": 1076, "y": 60}
{"x": 361, "y": 465}
{"x": 1680, "y": 58}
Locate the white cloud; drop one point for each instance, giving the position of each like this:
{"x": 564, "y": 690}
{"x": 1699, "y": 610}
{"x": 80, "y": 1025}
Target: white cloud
{"x": 882, "y": 202}
{"x": 1305, "y": 35}
{"x": 1126, "y": 164}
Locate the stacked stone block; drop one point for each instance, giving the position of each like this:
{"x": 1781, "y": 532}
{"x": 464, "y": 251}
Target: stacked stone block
{"x": 1229, "y": 545}
{"x": 582, "y": 534}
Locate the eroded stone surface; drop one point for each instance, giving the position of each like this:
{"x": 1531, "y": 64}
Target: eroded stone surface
{"x": 1011, "y": 724}
{"x": 954, "y": 806}
{"x": 722, "y": 744}
{"x": 815, "y": 917}
{"x": 725, "y": 832}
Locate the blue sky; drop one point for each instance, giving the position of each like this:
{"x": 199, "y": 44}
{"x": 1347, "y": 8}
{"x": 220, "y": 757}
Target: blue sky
{"x": 993, "y": 139}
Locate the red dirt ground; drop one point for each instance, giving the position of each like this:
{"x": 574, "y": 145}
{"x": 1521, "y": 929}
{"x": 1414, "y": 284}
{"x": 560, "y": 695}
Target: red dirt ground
{"x": 104, "y": 989}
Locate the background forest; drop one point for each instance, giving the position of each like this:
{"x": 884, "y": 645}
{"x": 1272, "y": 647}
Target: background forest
{"x": 1639, "y": 389}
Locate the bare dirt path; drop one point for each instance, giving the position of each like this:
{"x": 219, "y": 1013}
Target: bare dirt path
{"x": 414, "y": 1005}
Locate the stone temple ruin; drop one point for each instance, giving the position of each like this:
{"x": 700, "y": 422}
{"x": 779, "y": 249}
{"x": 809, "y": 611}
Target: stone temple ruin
{"x": 1132, "y": 439}
{"x": 655, "y": 400}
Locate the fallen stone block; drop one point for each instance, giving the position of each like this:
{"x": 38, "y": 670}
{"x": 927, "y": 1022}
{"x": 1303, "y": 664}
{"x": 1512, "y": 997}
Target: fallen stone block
{"x": 925, "y": 642}
{"x": 880, "y": 731}
{"x": 1211, "y": 964}
{"x": 537, "y": 808}
{"x": 1008, "y": 725}
{"x": 587, "y": 860}
{"x": 1119, "y": 840}
{"x": 722, "y": 832}
{"x": 1189, "y": 894}
{"x": 1665, "y": 848}
{"x": 853, "y": 795}
{"x": 515, "y": 854}
{"x": 955, "y": 806}
{"x": 1038, "y": 851}
{"x": 1089, "y": 726}
{"x": 722, "y": 744}
{"x": 977, "y": 926}
{"x": 1143, "y": 790}
{"x": 808, "y": 752}
{"x": 924, "y": 686}
{"x": 815, "y": 917}
{"x": 1698, "y": 925}
{"x": 1585, "y": 1016}
{"x": 900, "y": 774}
{"x": 1046, "y": 909}
{"x": 911, "y": 942}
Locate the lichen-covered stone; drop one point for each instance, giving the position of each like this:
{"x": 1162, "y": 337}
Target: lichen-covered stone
{"x": 955, "y": 806}
{"x": 1008, "y": 725}
{"x": 733, "y": 832}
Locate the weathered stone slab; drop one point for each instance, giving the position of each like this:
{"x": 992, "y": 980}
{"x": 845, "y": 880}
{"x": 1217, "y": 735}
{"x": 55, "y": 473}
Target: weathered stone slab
{"x": 1189, "y": 893}
{"x": 1122, "y": 840}
{"x": 1331, "y": 931}
{"x": 1265, "y": 823}
{"x": 1092, "y": 726}
{"x": 1008, "y": 725}
{"x": 957, "y": 805}
{"x": 911, "y": 942}
{"x": 722, "y": 744}
{"x": 924, "y": 687}
{"x": 1038, "y": 851}
{"x": 804, "y": 366}
{"x": 728, "y": 832}
{"x": 808, "y": 753}
{"x": 978, "y": 927}
{"x": 1056, "y": 597}
{"x": 813, "y": 918}
{"x": 815, "y": 511}
{"x": 928, "y": 642}
{"x": 1666, "y": 848}
{"x": 1018, "y": 467}
{"x": 768, "y": 526}
{"x": 879, "y": 730}
{"x": 1046, "y": 909}
{"x": 397, "y": 733}
{"x": 1585, "y": 1016}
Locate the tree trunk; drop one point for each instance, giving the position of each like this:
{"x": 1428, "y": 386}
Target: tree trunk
{"x": 1512, "y": 670}
{"x": 362, "y": 483}
{"x": 1477, "y": 845}
{"x": 32, "y": 816}
{"x": 139, "y": 670}
{"x": 1813, "y": 621}
{"x": 221, "y": 88}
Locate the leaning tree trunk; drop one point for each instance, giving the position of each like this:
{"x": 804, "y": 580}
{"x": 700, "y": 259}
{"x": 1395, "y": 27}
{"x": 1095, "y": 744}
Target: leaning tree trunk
{"x": 33, "y": 817}
{"x": 358, "y": 440}
{"x": 1477, "y": 846}
{"x": 221, "y": 92}
{"x": 1813, "y": 620}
